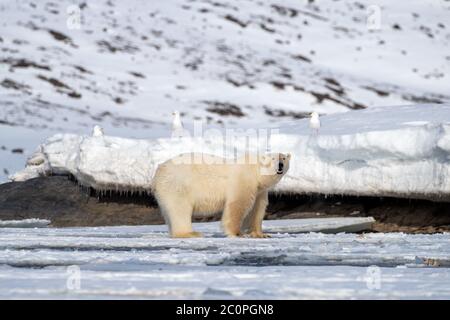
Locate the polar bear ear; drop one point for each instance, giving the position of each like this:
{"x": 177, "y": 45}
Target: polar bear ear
{"x": 289, "y": 156}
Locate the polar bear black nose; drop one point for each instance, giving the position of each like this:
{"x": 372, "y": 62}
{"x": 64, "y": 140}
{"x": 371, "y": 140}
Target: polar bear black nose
{"x": 280, "y": 166}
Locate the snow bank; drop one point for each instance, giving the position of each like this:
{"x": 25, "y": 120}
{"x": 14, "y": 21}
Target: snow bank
{"x": 25, "y": 223}
{"x": 396, "y": 151}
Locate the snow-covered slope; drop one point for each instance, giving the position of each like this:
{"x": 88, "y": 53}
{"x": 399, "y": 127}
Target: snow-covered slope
{"x": 391, "y": 151}
{"x": 130, "y": 63}
{"x": 142, "y": 262}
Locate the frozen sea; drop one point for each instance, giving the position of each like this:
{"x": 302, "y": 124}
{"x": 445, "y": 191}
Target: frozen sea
{"x": 142, "y": 262}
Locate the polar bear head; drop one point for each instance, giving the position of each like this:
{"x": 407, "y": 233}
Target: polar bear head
{"x": 274, "y": 164}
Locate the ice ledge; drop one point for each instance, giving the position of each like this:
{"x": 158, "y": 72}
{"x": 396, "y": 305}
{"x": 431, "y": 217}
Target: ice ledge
{"x": 391, "y": 151}
{"x": 25, "y": 223}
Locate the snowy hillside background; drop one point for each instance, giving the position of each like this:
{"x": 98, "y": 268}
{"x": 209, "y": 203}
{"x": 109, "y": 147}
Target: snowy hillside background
{"x": 246, "y": 63}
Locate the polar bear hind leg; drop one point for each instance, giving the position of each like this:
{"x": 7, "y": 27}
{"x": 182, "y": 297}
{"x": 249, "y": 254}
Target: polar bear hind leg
{"x": 178, "y": 215}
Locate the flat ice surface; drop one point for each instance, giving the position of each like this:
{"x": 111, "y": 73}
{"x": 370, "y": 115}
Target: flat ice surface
{"x": 142, "y": 262}
{"x": 24, "y": 223}
{"x": 325, "y": 225}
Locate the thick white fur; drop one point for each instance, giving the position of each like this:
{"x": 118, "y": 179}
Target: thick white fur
{"x": 201, "y": 184}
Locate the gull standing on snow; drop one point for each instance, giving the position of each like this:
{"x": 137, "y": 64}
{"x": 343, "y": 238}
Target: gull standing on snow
{"x": 314, "y": 123}
{"x": 97, "y": 131}
{"x": 177, "y": 125}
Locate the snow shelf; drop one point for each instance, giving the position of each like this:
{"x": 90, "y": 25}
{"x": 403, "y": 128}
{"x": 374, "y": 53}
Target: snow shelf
{"x": 390, "y": 151}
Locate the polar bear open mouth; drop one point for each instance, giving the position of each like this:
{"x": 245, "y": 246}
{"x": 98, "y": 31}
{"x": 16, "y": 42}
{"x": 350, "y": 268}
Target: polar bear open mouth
{"x": 280, "y": 168}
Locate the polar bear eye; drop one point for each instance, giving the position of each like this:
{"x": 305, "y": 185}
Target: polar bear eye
{"x": 284, "y": 158}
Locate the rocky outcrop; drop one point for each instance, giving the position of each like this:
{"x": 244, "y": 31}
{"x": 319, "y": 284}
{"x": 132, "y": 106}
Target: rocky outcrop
{"x": 390, "y": 214}
{"x": 62, "y": 201}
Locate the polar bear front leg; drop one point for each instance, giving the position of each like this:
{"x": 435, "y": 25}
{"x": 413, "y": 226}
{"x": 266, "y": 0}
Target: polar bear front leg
{"x": 234, "y": 214}
{"x": 253, "y": 222}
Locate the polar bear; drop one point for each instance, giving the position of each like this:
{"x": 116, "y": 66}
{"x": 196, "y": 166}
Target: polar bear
{"x": 202, "y": 184}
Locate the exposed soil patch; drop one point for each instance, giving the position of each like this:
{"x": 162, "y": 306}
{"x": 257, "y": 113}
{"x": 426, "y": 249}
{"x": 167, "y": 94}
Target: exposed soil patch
{"x": 292, "y": 13}
{"x": 23, "y": 63}
{"x": 422, "y": 99}
{"x": 224, "y": 109}
{"x": 337, "y": 96}
{"x": 11, "y": 84}
{"x": 54, "y": 82}
{"x": 332, "y": 82}
{"x": 61, "y": 87}
{"x": 7, "y": 123}
{"x": 137, "y": 74}
{"x": 266, "y": 28}
{"x": 280, "y": 113}
{"x": 238, "y": 84}
{"x": 119, "y": 45}
{"x": 119, "y": 100}
{"x": 334, "y": 86}
{"x": 285, "y": 11}
{"x": 235, "y": 20}
{"x": 302, "y": 58}
{"x": 59, "y": 36}
{"x": 278, "y": 85}
{"x": 321, "y": 97}
{"x": 381, "y": 93}
{"x": 82, "y": 69}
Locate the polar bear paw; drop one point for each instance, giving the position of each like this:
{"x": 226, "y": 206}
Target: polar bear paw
{"x": 192, "y": 234}
{"x": 256, "y": 234}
